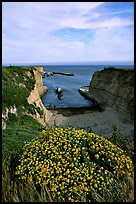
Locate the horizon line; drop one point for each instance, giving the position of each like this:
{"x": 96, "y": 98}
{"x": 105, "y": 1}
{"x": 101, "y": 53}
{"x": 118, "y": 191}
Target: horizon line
{"x": 104, "y": 61}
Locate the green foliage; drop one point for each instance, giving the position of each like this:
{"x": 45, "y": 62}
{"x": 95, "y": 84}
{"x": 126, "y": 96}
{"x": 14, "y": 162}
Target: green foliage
{"x": 119, "y": 190}
{"x": 110, "y": 67}
{"x": 59, "y": 164}
{"x": 12, "y": 92}
{"x": 13, "y": 191}
{"x": 70, "y": 161}
{"x": 125, "y": 142}
{"x": 118, "y": 68}
{"x": 17, "y": 82}
{"x": 31, "y": 109}
{"x": 18, "y": 131}
{"x": 42, "y": 113}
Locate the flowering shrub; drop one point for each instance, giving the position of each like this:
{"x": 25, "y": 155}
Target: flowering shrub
{"x": 70, "y": 161}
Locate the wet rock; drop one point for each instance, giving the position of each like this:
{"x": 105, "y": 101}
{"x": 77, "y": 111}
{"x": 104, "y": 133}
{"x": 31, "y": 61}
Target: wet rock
{"x": 51, "y": 106}
{"x": 49, "y": 74}
{"x": 58, "y": 90}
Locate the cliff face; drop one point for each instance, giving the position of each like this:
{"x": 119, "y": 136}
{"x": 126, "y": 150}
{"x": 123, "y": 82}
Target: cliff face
{"x": 35, "y": 96}
{"x": 24, "y": 77}
{"x": 115, "y": 88}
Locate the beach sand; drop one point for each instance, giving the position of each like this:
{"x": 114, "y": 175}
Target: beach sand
{"x": 98, "y": 122}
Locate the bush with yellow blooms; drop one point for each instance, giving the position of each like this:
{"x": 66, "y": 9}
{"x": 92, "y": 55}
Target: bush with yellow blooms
{"x": 69, "y": 161}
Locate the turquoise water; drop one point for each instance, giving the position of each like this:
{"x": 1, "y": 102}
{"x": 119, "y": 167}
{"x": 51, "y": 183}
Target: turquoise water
{"x": 71, "y": 98}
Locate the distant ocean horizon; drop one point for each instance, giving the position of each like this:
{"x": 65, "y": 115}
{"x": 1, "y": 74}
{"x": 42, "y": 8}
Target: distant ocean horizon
{"x": 70, "y": 85}
{"x": 109, "y": 63}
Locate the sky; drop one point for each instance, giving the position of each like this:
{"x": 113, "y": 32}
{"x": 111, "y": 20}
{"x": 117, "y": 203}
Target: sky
{"x": 67, "y": 32}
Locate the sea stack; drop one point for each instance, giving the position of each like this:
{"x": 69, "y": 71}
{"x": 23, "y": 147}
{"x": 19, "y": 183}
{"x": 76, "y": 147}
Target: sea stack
{"x": 59, "y": 90}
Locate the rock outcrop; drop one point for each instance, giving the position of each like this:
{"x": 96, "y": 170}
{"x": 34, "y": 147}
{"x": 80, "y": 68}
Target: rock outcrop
{"x": 5, "y": 113}
{"x": 115, "y": 88}
{"x": 35, "y": 96}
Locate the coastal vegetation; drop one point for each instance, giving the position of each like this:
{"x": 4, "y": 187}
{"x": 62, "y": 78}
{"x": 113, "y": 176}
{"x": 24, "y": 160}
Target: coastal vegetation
{"x": 118, "y": 68}
{"x": 19, "y": 129}
{"x": 17, "y": 82}
{"x": 68, "y": 164}
{"x": 41, "y": 164}
{"x": 71, "y": 161}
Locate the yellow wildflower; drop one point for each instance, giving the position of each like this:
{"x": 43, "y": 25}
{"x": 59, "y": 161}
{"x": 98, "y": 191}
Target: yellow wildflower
{"x": 95, "y": 185}
{"x": 97, "y": 156}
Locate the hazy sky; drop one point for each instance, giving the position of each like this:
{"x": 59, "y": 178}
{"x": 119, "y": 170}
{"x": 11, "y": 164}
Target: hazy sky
{"x": 67, "y": 31}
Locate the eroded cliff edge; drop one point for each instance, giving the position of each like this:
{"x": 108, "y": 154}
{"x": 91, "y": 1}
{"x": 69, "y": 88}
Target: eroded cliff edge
{"x": 35, "y": 96}
{"x": 114, "y": 87}
{"x": 22, "y": 88}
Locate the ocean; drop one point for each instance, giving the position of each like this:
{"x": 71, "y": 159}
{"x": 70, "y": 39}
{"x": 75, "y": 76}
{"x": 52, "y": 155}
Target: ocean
{"x": 71, "y": 98}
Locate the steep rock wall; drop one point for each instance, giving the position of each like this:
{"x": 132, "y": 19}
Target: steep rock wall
{"x": 35, "y": 96}
{"x": 115, "y": 88}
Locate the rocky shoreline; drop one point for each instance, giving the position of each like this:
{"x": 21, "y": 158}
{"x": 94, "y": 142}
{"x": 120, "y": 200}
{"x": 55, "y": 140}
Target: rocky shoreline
{"x": 100, "y": 123}
{"x": 75, "y": 111}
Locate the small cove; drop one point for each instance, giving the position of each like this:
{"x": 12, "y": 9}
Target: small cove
{"x": 70, "y": 85}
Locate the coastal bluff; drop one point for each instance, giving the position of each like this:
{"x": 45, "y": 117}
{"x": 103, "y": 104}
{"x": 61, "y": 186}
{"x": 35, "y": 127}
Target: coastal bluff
{"x": 36, "y": 94}
{"x": 24, "y": 88}
{"x": 114, "y": 87}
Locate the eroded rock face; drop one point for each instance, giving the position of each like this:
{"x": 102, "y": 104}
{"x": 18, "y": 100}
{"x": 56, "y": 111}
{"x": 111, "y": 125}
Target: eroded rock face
{"x": 115, "y": 88}
{"x": 36, "y": 93}
{"x": 5, "y": 113}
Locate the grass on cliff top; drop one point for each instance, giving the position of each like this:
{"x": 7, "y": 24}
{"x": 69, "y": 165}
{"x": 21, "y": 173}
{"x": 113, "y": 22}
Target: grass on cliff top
{"x": 118, "y": 68}
{"x": 16, "y": 85}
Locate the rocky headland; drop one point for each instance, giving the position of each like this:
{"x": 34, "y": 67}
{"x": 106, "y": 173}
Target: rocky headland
{"x": 114, "y": 87}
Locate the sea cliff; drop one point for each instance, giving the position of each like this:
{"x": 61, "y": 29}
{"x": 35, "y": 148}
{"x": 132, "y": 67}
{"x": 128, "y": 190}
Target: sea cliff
{"x": 36, "y": 94}
{"x": 114, "y": 87}
{"x": 22, "y": 92}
